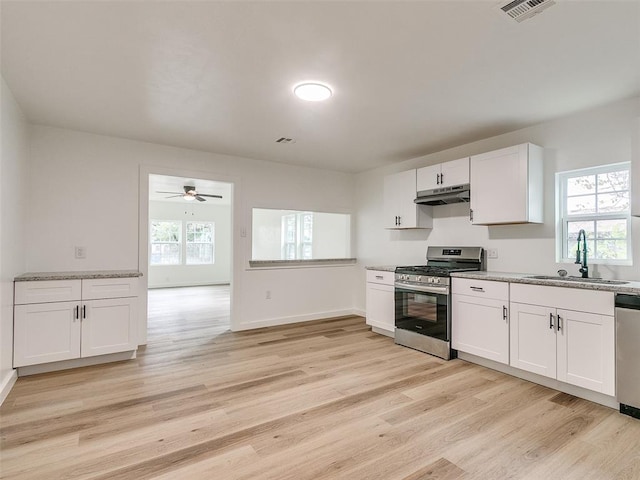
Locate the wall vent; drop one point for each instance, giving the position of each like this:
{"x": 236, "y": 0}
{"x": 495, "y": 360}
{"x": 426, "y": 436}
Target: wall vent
{"x": 520, "y": 10}
{"x": 285, "y": 140}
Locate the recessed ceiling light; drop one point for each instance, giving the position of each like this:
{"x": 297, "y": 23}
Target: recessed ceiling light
{"x": 312, "y": 91}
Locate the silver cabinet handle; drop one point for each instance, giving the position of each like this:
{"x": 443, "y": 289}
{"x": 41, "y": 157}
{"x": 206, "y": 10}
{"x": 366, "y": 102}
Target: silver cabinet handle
{"x": 559, "y": 323}
{"x": 477, "y": 289}
{"x": 379, "y": 277}
{"x": 551, "y": 321}
{"x": 504, "y": 313}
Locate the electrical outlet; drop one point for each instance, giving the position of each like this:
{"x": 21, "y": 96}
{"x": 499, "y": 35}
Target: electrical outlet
{"x": 268, "y": 295}
{"x": 492, "y": 253}
{"x": 81, "y": 252}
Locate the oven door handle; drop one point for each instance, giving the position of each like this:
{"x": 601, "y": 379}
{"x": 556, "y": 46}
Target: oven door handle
{"x": 421, "y": 288}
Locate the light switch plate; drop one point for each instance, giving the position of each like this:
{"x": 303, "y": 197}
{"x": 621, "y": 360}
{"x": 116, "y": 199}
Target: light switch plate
{"x": 492, "y": 253}
{"x": 81, "y": 252}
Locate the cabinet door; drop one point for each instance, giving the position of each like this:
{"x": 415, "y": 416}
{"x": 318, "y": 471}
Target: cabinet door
{"x": 46, "y": 332}
{"x": 381, "y": 306}
{"x": 455, "y": 172}
{"x": 586, "y": 350}
{"x": 480, "y": 326}
{"x": 533, "y": 339}
{"x": 499, "y": 186}
{"x": 400, "y": 210}
{"x": 428, "y": 178}
{"x": 109, "y": 326}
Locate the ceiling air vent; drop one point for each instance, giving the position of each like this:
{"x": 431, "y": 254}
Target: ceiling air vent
{"x": 520, "y": 10}
{"x": 285, "y": 140}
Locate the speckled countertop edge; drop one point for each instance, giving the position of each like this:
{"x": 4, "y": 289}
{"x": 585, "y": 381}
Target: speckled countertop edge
{"x": 631, "y": 287}
{"x": 43, "y": 276}
{"x": 383, "y": 268}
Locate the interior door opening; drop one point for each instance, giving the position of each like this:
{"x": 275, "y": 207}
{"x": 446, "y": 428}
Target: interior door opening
{"x": 189, "y": 255}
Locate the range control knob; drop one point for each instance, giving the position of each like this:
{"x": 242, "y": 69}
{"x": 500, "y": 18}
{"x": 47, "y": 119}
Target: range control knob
{"x": 418, "y": 278}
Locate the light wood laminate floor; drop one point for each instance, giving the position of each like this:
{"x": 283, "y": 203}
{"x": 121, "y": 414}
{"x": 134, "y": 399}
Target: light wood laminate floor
{"x": 317, "y": 400}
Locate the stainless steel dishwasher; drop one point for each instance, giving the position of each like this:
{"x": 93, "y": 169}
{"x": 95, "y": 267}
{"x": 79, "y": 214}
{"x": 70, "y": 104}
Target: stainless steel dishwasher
{"x": 628, "y": 354}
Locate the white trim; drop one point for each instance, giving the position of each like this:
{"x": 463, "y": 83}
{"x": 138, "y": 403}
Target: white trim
{"x": 7, "y": 384}
{"x": 75, "y": 363}
{"x": 143, "y": 236}
{"x": 190, "y": 284}
{"x": 562, "y": 218}
{"x": 272, "y": 322}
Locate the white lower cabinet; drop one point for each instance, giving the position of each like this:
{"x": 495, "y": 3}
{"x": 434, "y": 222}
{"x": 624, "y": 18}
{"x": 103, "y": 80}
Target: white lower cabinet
{"x": 480, "y": 318}
{"x": 559, "y": 341}
{"x": 381, "y": 300}
{"x": 46, "y": 332}
{"x": 67, "y": 325}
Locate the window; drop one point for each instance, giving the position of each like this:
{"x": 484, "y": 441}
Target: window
{"x": 199, "y": 243}
{"x": 165, "y": 242}
{"x": 167, "y": 246}
{"x": 299, "y": 235}
{"x": 595, "y": 200}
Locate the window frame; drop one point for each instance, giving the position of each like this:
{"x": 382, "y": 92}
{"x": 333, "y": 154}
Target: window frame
{"x": 211, "y": 243}
{"x": 182, "y": 243}
{"x": 563, "y": 218}
{"x": 152, "y": 243}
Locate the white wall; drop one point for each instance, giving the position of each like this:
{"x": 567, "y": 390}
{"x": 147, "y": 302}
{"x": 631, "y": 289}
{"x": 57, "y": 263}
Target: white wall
{"x": 88, "y": 193}
{"x": 13, "y": 161}
{"x": 591, "y": 138}
{"x": 185, "y": 275}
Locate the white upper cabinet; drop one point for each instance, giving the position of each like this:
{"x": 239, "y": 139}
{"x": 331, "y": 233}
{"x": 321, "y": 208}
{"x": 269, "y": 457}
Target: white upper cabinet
{"x": 400, "y": 211}
{"x": 507, "y": 186}
{"x": 455, "y": 172}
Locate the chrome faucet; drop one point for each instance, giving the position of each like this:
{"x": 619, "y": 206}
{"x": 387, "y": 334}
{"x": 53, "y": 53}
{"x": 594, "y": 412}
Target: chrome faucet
{"x": 584, "y": 270}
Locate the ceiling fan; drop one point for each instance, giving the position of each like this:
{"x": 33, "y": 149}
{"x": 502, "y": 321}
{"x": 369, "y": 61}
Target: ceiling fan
{"x": 190, "y": 193}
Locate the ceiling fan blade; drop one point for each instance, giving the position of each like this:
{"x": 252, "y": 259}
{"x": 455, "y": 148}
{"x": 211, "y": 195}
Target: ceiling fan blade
{"x": 175, "y": 193}
{"x": 174, "y": 196}
{"x": 206, "y": 195}
{"x": 200, "y": 199}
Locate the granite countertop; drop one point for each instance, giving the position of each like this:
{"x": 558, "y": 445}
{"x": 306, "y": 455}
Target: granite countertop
{"x": 631, "y": 287}
{"x": 383, "y": 268}
{"x": 36, "y": 276}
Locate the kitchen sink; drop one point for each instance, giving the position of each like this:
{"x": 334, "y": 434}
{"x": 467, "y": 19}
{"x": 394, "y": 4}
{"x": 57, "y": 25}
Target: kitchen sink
{"x": 577, "y": 279}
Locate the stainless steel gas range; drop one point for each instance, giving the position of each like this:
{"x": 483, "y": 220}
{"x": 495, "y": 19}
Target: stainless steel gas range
{"x": 423, "y": 298}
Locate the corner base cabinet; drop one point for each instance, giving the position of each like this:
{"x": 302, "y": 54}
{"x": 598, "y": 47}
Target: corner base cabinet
{"x": 59, "y": 320}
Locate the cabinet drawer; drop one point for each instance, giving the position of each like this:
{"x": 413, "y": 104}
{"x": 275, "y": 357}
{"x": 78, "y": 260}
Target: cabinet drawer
{"x": 581, "y": 300}
{"x": 379, "y": 276}
{"x": 96, "y": 288}
{"x": 481, "y": 288}
{"x": 47, "y": 291}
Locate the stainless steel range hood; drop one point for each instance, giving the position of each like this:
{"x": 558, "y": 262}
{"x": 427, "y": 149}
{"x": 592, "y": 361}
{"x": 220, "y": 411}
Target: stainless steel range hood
{"x": 444, "y": 195}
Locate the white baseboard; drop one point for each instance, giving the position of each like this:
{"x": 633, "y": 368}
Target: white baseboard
{"x": 359, "y": 311}
{"x": 273, "y": 322}
{"x": 590, "y": 395}
{"x": 7, "y": 384}
{"x": 189, "y": 284}
{"x": 75, "y": 363}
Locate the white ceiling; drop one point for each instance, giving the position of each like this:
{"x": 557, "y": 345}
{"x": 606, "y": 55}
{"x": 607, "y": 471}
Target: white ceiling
{"x": 409, "y": 78}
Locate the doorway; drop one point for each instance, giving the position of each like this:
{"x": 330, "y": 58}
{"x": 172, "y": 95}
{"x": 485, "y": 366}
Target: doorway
{"x": 185, "y": 245}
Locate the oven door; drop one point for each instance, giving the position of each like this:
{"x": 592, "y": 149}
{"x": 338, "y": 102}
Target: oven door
{"x": 423, "y": 310}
